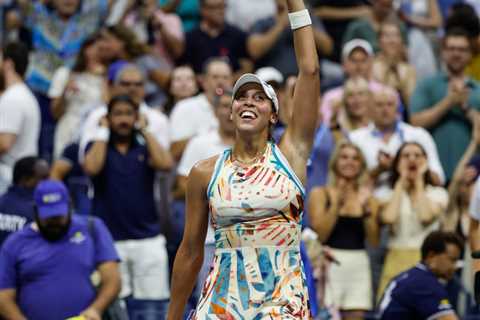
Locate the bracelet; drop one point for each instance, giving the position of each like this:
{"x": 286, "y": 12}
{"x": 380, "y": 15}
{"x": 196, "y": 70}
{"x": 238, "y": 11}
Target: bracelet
{"x": 299, "y": 19}
{"x": 102, "y": 134}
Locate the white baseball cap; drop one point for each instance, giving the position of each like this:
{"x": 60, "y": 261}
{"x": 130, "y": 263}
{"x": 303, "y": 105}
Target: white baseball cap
{"x": 354, "y": 44}
{"x": 269, "y": 74}
{"x": 252, "y": 78}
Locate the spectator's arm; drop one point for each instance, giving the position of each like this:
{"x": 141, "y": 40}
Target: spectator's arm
{"x": 177, "y": 148}
{"x": 160, "y": 77}
{"x": 246, "y": 66}
{"x": 175, "y": 45}
{"x": 258, "y": 44}
{"x": 8, "y": 305}
{"x": 7, "y": 140}
{"x": 180, "y": 188}
{"x": 431, "y": 116}
{"x": 60, "y": 169}
{"x": 95, "y": 158}
{"x": 390, "y": 213}
{"x": 171, "y": 6}
{"x": 322, "y": 212}
{"x": 323, "y": 42}
{"x": 428, "y": 209}
{"x": 433, "y": 20}
{"x": 341, "y": 13}
{"x": 450, "y": 316}
{"x": 57, "y": 107}
{"x": 370, "y": 222}
{"x": 109, "y": 288}
{"x": 160, "y": 159}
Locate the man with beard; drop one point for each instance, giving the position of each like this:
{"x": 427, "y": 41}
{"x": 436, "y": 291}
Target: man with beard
{"x": 445, "y": 103}
{"x": 122, "y": 165}
{"x": 45, "y": 268}
{"x": 19, "y": 112}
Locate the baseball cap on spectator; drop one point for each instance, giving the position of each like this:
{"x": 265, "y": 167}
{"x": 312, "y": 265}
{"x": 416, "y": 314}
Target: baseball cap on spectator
{"x": 270, "y": 75}
{"x": 252, "y": 78}
{"x": 114, "y": 69}
{"x": 51, "y": 199}
{"x": 356, "y": 44}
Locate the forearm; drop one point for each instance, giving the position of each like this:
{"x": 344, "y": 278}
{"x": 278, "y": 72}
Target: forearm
{"x": 107, "y": 293}
{"x": 323, "y": 42}
{"x": 430, "y": 117}
{"x": 9, "y": 309}
{"x": 324, "y": 223}
{"x": 425, "y": 22}
{"x": 370, "y": 223}
{"x": 174, "y": 45}
{"x": 260, "y": 43}
{"x": 185, "y": 271}
{"x": 58, "y": 107}
{"x": 334, "y": 13}
{"x": 390, "y": 213}
{"x": 177, "y": 147}
{"x": 95, "y": 158}
{"x": 159, "y": 157}
{"x": 426, "y": 209}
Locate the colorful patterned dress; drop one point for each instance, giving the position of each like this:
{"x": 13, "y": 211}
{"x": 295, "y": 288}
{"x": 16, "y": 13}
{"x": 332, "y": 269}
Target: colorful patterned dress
{"x": 256, "y": 212}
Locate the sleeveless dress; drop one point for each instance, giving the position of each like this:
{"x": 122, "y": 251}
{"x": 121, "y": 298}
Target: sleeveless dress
{"x": 256, "y": 212}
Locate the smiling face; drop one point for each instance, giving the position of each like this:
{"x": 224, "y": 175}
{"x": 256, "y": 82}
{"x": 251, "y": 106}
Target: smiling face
{"x": 349, "y": 163}
{"x": 252, "y": 110}
{"x": 390, "y": 39}
{"x": 357, "y": 97}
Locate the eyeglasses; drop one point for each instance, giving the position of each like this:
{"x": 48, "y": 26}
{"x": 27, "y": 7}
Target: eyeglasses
{"x": 131, "y": 83}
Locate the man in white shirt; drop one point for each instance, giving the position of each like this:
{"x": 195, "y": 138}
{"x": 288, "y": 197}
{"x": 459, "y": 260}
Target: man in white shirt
{"x": 19, "y": 113}
{"x": 196, "y": 115}
{"x": 380, "y": 141}
{"x": 130, "y": 81}
{"x": 202, "y": 147}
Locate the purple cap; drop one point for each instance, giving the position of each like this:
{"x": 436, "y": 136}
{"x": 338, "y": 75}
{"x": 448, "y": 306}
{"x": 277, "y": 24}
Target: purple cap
{"x": 51, "y": 198}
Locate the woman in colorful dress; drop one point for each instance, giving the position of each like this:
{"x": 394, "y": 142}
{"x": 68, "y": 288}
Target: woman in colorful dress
{"x": 254, "y": 193}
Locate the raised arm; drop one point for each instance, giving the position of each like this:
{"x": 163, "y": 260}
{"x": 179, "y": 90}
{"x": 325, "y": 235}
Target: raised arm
{"x": 322, "y": 210}
{"x": 189, "y": 258}
{"x": 95, "y": 157}
{"x": 298, "y": 139}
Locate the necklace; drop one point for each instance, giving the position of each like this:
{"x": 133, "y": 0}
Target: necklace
{"x": 251, "y": 161}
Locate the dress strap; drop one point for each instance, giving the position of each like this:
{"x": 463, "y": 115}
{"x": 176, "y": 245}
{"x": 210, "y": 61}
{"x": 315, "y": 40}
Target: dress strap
{"x": 216, "y": 172}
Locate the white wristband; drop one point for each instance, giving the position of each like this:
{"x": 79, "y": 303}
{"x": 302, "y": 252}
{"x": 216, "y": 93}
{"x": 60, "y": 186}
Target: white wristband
{"x": 299, "y": 19}
{"x": 102, "y": 134}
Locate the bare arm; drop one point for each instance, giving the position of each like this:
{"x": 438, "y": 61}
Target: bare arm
{"x": 8, "y": 306}
{"x": 189, "y": 257}
{"x": 334, "y": 13}
{"x": 160, "y": 159}
{"x": 177, "y": 148}
{"x": 450, "y": 316}
{"x": 433, "y": 20}
{"x": 95, "y": 158}
{"x": 431, "y": 116}
{"x": 180, "y": 188}
{"x": 109, "y": 288}
{"x": 7, "y": 140}
{"x": 60, "y": 169}
{"x": 57, "y": 107}
{"x": 323, "y": 42}
{"x": 370, "y": 223}
{"x": 390, "y": 214}
{"x": 298, "y": 138}
{"x": 323, "y": 215}
{"x": 174, "y": 45}
{"x": 258, "y": 44}
{"x": 426, "y": 209}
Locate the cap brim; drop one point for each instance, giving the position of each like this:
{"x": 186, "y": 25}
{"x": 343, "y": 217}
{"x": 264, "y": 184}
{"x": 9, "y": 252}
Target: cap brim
{"x": 56, "y": 210}
{"x": 244, "y": 79}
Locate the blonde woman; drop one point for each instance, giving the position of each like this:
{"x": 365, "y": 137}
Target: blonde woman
{"x": 390, "y": 66}
{"x": 352, "y": 112}
{"x": 412, "y": 210}
{"x": 344, "y": 215}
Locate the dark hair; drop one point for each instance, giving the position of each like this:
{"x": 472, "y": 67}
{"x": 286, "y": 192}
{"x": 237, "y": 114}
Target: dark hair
{"x": 81, "y": 61}
{"x": 18, "y": 53}
{"x": 121, "y": 98}
{"x": 396, "y": 175}
{"x": 456, "y": 32}
{"x": 463, "y": 16}
{"x": 133, "y": 46}
{"x": 436, "y": 242}
{"x": 24, "y": 168}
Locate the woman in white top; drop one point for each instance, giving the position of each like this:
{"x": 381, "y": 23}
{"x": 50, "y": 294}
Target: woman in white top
{"x": 75, "y": 92}
{"x": 412, "y": 210}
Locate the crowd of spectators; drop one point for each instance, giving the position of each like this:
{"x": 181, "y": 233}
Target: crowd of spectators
{"x": 120, "y": 99}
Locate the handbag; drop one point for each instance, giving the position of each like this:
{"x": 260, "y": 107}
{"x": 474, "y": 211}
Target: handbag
{"x": 117, "y": 309}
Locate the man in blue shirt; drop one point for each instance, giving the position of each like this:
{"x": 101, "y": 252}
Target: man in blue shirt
{"x": 419, "y": 293}
{"x": 16, "y": 205}
{"x": 46, "y": 268}
{"x": 122, "y": 160}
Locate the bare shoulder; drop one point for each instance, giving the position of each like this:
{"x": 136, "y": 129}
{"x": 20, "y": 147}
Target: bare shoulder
{"x": 202, "y": 171}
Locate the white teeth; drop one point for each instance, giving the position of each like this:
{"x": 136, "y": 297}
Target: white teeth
{"x": 248, "y": 115}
